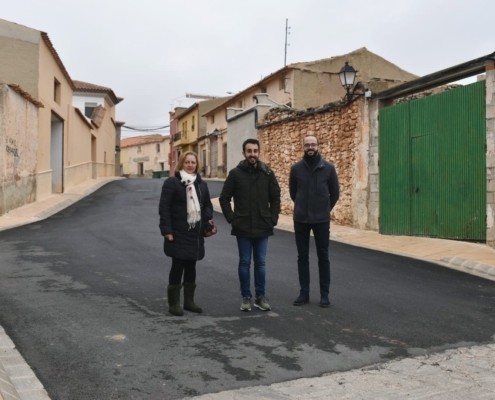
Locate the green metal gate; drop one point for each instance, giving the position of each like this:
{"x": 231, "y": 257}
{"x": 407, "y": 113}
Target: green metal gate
{"x": 433, "y": 166}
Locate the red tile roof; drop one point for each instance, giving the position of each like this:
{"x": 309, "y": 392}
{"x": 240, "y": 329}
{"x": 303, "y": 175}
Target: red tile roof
{"x": 26, "y": 95}
{"x": 137, "y": 140}
{"x": 55, "y": 55}
{"x": 80, "y": 86}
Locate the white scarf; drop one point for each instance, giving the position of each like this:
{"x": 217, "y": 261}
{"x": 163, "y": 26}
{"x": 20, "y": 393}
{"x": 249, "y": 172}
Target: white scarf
{"x": 193, "y": 207}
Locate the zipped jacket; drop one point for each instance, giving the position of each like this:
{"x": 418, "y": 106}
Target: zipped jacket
{"x": 256, "y": 195}
{"x": 188, "y": 243}
{"x": 314, "y": 192}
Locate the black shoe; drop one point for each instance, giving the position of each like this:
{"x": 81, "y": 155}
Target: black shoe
{"x": 302, "y": 299}
{"x": 324, "y": 302}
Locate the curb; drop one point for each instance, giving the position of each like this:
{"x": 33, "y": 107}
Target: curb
{"x": 17, "y": 379}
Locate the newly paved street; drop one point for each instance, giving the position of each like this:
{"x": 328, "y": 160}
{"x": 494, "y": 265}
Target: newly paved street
{"x": 82, "y": 295}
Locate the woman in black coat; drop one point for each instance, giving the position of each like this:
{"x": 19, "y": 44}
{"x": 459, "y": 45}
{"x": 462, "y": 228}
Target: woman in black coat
{"x": 186, "y": 216}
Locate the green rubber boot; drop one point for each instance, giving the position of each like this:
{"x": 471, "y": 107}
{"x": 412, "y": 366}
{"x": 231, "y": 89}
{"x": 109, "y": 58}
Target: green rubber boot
{"x": 189, "y": 303}
{"x": 173, "y": 295}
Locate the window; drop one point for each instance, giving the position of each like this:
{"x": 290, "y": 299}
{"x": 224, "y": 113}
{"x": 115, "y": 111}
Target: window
{"x": 281, "y": 83}
{"x": 162, "y": 166}
{"x": 158, "y": 148}
{"x": 139, "y": 149}
{"x": 89, "y": 108}
{"x": 263, "y": 90}
{"x": 240, "y": 104}
{"x": 213, "y": 119}
{"x": 140, "y": 168}
{"x": 192, "y": 124}
{"x": 56, "y": 91}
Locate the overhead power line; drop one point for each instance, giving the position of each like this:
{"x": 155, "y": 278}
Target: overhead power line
{"x": 145, "y": 129}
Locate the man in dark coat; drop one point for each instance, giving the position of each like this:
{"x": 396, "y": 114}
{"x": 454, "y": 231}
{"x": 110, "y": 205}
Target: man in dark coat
{"x": 314, "y": 189}
{"x": 256, "y": 193}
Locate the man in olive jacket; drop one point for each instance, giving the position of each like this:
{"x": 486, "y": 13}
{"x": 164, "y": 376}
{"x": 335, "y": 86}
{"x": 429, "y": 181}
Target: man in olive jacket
{"x": 314, "y": 189}
{"x": 256, "y": 194}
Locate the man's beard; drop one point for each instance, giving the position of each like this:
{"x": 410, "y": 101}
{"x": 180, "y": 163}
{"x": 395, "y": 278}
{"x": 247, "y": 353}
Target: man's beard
{"x": 252, "y": 160}
{"x": 315, "y": 152}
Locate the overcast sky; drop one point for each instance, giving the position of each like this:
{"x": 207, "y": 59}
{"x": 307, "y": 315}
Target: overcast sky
{"x": 154, "y": 52}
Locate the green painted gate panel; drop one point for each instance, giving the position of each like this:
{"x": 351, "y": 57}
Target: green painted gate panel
{"x": 394, "y": 154}
{"x": 425, "y": 147}
{"x": 446, "y": 165}
{"x": 463, "y": 167}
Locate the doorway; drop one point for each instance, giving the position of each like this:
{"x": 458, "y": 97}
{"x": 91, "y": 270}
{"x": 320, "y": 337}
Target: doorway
{"x": 57, "y": 153}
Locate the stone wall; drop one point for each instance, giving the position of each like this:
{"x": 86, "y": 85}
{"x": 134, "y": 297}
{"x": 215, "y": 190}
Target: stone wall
{"x": 426, "y": 93}
{"x": 338, "y": 130}
{"x": 490, "y": 157}
{"x": 18, "y": 148}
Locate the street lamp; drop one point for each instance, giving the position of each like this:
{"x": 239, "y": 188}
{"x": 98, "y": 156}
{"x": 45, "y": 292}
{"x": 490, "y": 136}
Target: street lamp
{"x": 347, "y": 76}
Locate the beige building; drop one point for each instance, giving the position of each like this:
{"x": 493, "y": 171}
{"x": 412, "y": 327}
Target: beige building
{"x": 143, "y": 155}
{"x": 72, "y": 144}
{"x": 191, "y": 132}
{"x": 299, "y": 86}
{"x": 18, "y": 144}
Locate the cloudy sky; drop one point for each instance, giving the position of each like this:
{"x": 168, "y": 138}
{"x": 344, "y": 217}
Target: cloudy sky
{"x": 153, "y": 52}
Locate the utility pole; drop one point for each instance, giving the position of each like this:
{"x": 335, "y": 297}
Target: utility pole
{"x": 287, "y": 27}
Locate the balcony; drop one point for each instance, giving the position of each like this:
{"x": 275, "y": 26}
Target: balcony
{"x": 177, "y": 136}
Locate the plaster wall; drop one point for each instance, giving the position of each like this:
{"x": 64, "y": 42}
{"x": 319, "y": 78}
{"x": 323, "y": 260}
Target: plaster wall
{"x": 187, "y": 125}
{"x": 18, "y": 146}
{"x": 78, "y": 150}
{"x": 314, "y": 89}
{"x": 369, "y": 65}
{"x": 242, "y": 125}
{"x": 124, "y": 160}
{"x": 149, "y": 156}
{"x": 49, "y": 70}
{"x": 79, "y": 100}
{"x": 220, "y": 123}
{"x": 19, "y": 56}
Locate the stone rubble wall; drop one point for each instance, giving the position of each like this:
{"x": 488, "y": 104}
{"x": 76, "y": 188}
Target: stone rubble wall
{"x": 338, "y": 130}
{"x": 426, "y": 93}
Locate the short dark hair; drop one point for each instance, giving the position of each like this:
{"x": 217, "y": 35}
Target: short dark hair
{"x": 317, "y": 140}
{"x": 252, "y": 141}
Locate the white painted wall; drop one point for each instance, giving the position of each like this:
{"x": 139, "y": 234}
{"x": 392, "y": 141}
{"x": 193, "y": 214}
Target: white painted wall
{"x": 79, "y": 101}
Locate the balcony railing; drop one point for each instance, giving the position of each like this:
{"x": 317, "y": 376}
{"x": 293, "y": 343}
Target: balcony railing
{"x": 177, "y": 136}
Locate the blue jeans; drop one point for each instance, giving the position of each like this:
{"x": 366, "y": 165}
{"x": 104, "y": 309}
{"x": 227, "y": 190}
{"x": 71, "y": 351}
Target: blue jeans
{"x": 257, "y": 247}
{"x": 321, "y": 233}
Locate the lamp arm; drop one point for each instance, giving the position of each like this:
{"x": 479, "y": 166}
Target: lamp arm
{"x": 360, "y": 85}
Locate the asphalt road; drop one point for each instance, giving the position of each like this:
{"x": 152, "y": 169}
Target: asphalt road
{"x": 83, "y": 296}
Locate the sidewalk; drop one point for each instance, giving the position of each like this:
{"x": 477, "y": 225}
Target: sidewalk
{"x": 455, "y": 374}
{"x": 472, "y": 258}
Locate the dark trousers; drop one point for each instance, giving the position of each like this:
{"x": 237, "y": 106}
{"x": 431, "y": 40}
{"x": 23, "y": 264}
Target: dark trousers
{"x": 321, "y": 233}
{"x": 182, "y": 267}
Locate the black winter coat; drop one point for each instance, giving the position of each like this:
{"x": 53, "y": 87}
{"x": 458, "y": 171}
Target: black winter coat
{"x": 188, "y": 244}
{"x": 315, "y": 192}
{"x": 256, "y": 196}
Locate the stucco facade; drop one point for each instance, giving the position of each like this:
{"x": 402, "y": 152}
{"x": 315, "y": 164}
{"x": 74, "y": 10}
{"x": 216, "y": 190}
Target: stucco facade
{"x": 143, "y": 155}
{"x": 172, "y": 155}
{"x": 70, "y": 146}
{"x": 18, "y": 144}
{"x": 192, "y": 135}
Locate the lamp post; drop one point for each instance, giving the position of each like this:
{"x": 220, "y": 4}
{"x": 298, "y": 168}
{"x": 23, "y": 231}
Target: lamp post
{"x": 347, "y": 76}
